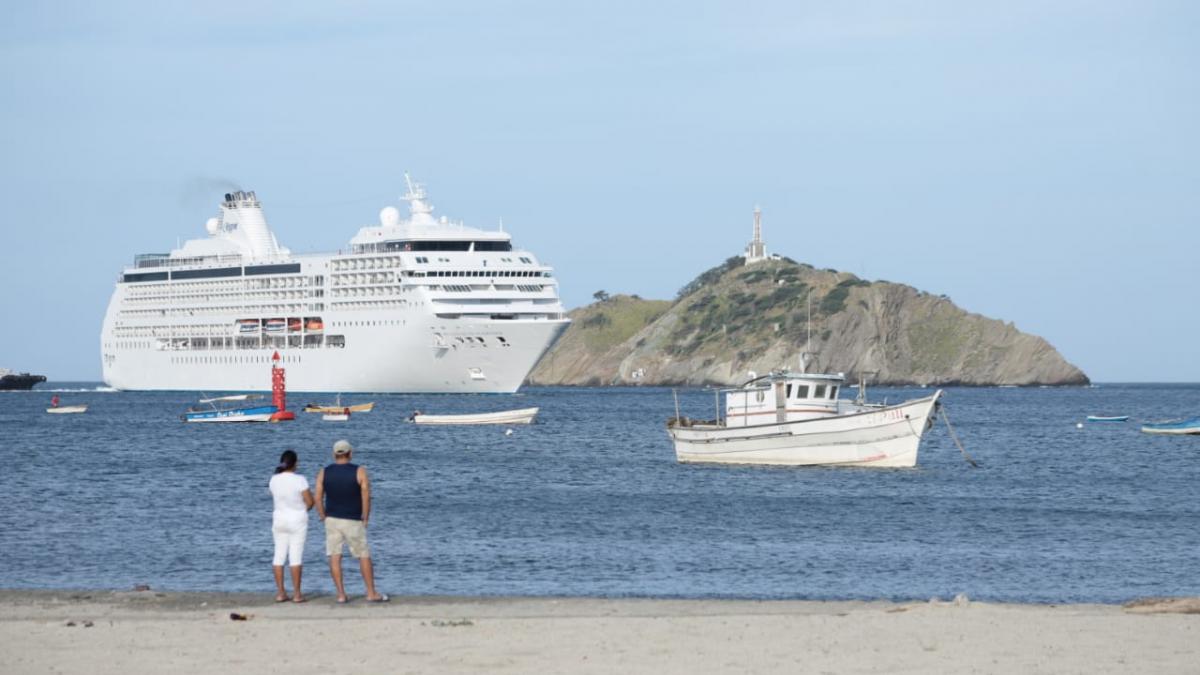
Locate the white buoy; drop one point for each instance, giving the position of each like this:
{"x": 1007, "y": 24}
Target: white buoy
{"x": 1079, "y": 425}
{"x": 508, "y": 432}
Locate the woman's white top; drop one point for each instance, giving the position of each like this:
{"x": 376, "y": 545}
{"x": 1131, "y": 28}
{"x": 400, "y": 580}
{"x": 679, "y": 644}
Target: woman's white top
{"x": 288, "y": 489}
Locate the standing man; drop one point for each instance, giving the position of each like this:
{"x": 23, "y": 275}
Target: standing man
{"x": 344, "y": 505}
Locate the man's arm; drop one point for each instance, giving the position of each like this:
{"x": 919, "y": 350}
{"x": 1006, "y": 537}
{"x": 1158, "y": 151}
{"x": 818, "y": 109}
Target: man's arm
{"x": 365, "y": 483}
{"x": 319, "y": 497}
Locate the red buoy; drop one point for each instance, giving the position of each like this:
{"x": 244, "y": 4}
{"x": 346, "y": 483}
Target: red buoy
{"x": 279, "y": 392}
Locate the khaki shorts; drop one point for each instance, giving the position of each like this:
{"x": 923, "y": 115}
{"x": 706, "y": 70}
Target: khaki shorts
{"x": 342, "y": 532}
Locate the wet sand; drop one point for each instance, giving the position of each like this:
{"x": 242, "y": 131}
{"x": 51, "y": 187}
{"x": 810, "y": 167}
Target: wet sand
{"x": 151, "y": 632}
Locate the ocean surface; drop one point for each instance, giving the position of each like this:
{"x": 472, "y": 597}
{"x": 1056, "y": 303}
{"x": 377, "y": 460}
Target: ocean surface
{"x": 589, "y": 501}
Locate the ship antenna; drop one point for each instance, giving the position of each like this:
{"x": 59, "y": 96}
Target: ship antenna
{"x": 808, "y": 343}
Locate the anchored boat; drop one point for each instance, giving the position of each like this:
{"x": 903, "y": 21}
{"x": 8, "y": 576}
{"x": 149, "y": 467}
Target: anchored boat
{"x": 1174, "y": 427}
{"x": 521, "y": 416}
{"x": 797, "y": 419}
{"x": 1103, "y": 418}
{"x": 236, "y": 408}
{"x": 337, "y": 407}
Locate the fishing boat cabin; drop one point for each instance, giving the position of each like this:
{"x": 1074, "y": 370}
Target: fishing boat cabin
{"x": 784, "y": 397}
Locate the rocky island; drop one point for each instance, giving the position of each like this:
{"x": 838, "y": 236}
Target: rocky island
{"x": 740, "y": 317}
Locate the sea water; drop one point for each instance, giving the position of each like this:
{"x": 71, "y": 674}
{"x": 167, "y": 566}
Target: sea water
{"x": 589, "y": 500}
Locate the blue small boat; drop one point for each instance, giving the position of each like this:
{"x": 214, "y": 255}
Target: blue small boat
{"x": 1102, "y": 418}
{"x": 227, "y": 409}
{"x": 1174, "y": 427}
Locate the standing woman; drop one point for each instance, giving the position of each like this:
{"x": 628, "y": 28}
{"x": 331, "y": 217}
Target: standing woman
{"x": 289, "y": 524}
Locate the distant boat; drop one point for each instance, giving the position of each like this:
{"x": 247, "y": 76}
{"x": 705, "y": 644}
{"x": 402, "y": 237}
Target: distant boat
{"x": 10, "y": 381}
{"x": 337, "y": 407}
{"x": 343, "y": 416}
{"x": 67, "y": 409}
{"x": 1174, "y": 427}
{"x": 226, "y": 409}
{"x": 1102, "y": 418}
{"x": 521, "y": 416}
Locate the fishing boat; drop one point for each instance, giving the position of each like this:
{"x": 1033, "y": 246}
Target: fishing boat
{"x": 1102, "y": 418}
{"x": 235, "y": 408}
{"x": 67, "y": 409}
{"x": 337, "y": 407}
{"x": 1174, "y": 427}
{"x": 521, "y": 416}
{"x": 343, "y": 416}
{"x": 797, "y": 419}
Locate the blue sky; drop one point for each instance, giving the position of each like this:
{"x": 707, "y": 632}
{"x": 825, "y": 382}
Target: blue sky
{"x": 1037, "y": 162}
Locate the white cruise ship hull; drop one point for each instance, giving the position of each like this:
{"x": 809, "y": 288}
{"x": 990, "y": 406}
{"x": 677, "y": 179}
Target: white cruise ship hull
{"x": 885, "y": 437}
{"x": 385, "y": 359}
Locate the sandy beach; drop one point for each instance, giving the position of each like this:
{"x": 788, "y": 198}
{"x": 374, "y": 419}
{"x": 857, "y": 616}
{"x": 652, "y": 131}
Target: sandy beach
{"x": 153, "y": 632}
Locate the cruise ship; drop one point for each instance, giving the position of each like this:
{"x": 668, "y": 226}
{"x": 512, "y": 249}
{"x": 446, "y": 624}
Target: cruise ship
{"x": 420, "y": 305}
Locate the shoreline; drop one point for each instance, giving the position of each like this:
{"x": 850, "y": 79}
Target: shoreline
{"x": 155, "y": 631}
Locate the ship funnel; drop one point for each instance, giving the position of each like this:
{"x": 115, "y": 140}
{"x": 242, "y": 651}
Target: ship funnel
{"x": 245, "y": 212}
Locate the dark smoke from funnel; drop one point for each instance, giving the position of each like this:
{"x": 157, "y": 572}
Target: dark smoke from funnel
{"x": 201, "y": 191}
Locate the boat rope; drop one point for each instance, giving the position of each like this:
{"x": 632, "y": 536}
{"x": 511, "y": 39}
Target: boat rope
{"x": 954, "y": 437}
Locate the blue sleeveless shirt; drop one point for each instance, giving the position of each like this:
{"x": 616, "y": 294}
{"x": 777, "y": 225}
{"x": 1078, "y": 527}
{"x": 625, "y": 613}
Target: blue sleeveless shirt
{"x": 343, "y": 494}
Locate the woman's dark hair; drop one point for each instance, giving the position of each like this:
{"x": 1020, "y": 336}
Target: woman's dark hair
{"x": 287, "y": 461}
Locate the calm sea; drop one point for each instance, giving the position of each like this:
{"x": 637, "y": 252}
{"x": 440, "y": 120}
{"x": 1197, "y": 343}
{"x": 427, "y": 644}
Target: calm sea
{"x": 589, "y": 501}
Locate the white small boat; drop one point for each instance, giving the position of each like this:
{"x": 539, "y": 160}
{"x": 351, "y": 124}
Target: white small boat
{"x": 67, "y": 409}
{"x": 521, "y": 416}
{"x": 336, "y": 416}
{"x": 1107, "y": 418}
{"x": 798, "y": 420}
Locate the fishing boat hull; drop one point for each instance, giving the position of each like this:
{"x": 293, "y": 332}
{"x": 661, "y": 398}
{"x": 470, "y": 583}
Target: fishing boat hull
{"x": 67, "y": 409}
{"x": 336, "y": 417}
{"x": 522, "y": 416}
{"x": 1099, "y": 418}
{"x": 1178, "y": 428}
{"x": 334, "y": 409}
{"x": 883, "y": 437}
{"x": 254, "y": 414}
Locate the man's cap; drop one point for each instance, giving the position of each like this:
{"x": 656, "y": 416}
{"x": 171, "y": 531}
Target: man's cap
{"x": 342, "y": 447}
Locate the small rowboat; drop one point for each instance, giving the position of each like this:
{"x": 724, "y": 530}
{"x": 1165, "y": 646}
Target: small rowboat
{"x": 1101, "y": 418}
{"x": 343, "y": 416}
{"x": 67, "y": 409}
{"x": 521, "y": 416}
{"x": 1174, "y": 427}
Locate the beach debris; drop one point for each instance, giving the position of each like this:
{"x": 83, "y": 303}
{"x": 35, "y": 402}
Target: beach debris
{"x": 142, "y": 587}
{"x": 961, "y": 600}
{"x": 88, "y": 624}
{"x": 234, "y": 616}
{"x": 70, "y": 624}
{"x": 1163, "y": 606}
{"x": 453, "y": 623}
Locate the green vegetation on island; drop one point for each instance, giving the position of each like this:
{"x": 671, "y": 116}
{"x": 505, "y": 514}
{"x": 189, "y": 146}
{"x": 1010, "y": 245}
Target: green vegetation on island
{"x": 737, "y": 318}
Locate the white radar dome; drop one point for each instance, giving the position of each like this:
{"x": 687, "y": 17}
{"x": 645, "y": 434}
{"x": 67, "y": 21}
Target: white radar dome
{"x": 212, "y": 225}
{"x": 389, "y": 216}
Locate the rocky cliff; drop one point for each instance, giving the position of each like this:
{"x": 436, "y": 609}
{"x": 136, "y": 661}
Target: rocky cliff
{"x": 736, "y": 318}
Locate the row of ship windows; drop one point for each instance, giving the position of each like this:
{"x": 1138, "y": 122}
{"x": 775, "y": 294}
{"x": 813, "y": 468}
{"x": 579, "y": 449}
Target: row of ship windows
{"x": 205, "y": 297}
{"x": 266, "y": 309}
{"x": 215, "y": 360}
{"x": 178, "y": 287}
